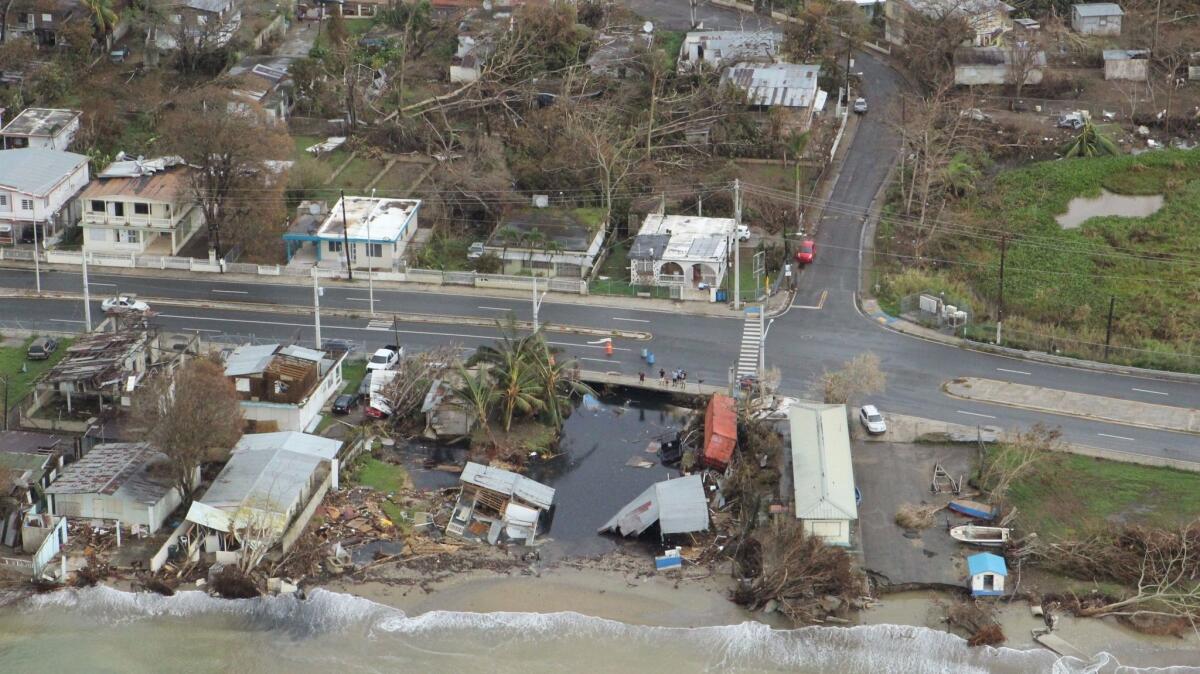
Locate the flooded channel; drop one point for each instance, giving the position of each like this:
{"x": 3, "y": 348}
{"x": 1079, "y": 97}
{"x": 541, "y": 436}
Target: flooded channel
{"x": 606, "y": 457}
{"x": 1081, "y": 209}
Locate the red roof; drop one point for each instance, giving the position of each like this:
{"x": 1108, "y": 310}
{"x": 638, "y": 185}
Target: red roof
{"x": 720, "y": 432}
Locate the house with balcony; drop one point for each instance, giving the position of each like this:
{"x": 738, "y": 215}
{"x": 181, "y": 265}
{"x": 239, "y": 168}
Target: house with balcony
{"x": 207, "y": 24}
{"x": 548, "y": 241}
{"x": 283, "y": 388}
{"x": 689, "y": 254}
{"x": 142, "y": 206}
{"x": 716, "y": 49}
{"x": 373, "y": 233}
{"x": 49, "y": 128}
{"x": 988, "y": 19}
{"x": 38, "y": 189}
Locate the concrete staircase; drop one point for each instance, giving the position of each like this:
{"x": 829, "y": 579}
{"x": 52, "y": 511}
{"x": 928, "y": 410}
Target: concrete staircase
{"x": 752, "y": 332}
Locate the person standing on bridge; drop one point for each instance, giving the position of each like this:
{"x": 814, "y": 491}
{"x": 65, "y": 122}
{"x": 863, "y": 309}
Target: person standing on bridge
{"x": 641, "y": 377}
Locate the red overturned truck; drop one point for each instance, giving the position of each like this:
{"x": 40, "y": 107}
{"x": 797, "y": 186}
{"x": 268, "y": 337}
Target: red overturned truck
{"x": 720, "y": 432}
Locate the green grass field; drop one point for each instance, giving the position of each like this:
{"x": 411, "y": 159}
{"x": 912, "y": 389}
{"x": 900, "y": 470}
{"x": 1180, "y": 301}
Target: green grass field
{"x": 380, "y": 475}
{"x": 12, "y": 361}
{"x": 1068, "y": 496}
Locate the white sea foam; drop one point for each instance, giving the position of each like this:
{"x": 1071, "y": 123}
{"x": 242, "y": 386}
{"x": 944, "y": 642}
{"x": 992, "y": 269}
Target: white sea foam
{"x": 561, "y": 637}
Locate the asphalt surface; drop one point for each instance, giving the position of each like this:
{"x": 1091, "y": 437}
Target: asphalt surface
{"x": 803, "y": 342}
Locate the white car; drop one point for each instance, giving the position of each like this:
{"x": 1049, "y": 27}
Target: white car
{"x": 743, "y": 233}
{"x": 123, "y": 303}
{"x": 872, "y": 420}
{"x": 384, "y": 359}
{"x": 860, "y": 106}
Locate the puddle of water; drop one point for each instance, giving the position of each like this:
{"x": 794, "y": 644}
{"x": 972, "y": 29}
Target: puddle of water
{"x": 1108, "y": 204}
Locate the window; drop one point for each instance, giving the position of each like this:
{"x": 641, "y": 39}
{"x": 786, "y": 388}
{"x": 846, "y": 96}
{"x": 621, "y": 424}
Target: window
{"x": 335, "y": 246}
{"x": 27, "y": 204}
{"x": 374, "y": 250}
{"x": 119, "y": 209}
{"x": 128, "y": 235}
{"x": 141, "y": 209}
{"x": 201, "y": 19}
{"x": 97, "y": 235}
{"x": 97, "y": 206}
{"x": 46, "y": 18}
{"x": 176, "y": 18}
{"x": 3, "y": 199}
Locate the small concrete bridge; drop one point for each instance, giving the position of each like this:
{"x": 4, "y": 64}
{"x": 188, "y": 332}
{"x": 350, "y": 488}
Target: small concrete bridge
{"x": 652, "y": 383}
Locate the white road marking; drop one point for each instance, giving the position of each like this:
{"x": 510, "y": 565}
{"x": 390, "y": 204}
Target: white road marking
{"x": 93, "y": 283}
{"x": 495, "y": 308}
{"x": 203, "y": 330}
{"x": 976, "y": 414}
{"x": 631, "y": 320}
{"x": 1118, "y": 437}
{"x": 1004, "y": 369}
{"x": 599, "y": 360}
{"x": 359, "y": 299}
{"x": 1157, "y": 393}
{"x": 232, "y": 292}
{"x": 65, "y": 320}
{"x": 820, "y": 303}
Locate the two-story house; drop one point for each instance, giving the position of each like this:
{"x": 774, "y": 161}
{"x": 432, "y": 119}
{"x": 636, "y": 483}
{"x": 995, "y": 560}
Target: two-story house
{"x": 987, "y": 19}
{"x": 37, "y": 194}
{"x": 50, "y": 128}
{"x": 206, "y": 23}
{"x": 44, "y": 20}
{"x": 140, "y": 206}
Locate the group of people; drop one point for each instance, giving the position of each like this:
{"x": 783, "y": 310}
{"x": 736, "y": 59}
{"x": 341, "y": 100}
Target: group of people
{"x": 678, "y": 377}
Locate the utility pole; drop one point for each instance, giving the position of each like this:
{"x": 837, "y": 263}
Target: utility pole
{"x": 848, "y": 49}
{"x": 37, "y": 269}
{"x": 1000, "y": 309}
{"x": 87, "y": 300}
{"x": 700, "y": 205}
{"x": 5, "y": 380}
{"x": 1112, "y": 301}
{"x": 317, "y": 305}
{"x": 1157, "y": 16}
{"x": 395, "y": 331}
{"x": 537, "y": 302}
{"x": 737, "y": 245}
{"x": 370, "y": 266}
{"x": 692, "y": 4}
{"x": 346, "y": 236}
{"x": 762, "y": 344}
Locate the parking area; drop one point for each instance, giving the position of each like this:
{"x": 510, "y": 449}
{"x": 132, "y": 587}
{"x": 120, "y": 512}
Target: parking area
{"x": 891, "y": 475}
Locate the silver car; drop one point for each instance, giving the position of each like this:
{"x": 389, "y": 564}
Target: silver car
{"x": 860, "y": 105}
{"x": 872, "y": 420}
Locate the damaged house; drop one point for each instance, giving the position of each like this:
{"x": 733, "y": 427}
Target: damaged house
{"x": 447, "y": 416}
{"x": 283, "y": 388}
{"x": 264, "y": 495}
{"x": 676, "y": 506}
{"x": 494, "y": 501}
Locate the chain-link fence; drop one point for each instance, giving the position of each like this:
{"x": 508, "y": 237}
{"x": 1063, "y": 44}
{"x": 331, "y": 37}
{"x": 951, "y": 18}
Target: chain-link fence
{"x": 1172, "y": 360}
{"x": 939, "y": 311}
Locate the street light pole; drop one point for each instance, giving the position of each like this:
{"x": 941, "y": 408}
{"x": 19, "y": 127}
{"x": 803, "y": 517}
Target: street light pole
{"x": 737, "y": 245}
{"x": 370, "y": 266}
{"x": 762, "y": 348}
{"x": 37, "y": 268}
{"x": 317, "y": 306}
{"x": 537, "y": 302}
{"x": 87, "y": 300}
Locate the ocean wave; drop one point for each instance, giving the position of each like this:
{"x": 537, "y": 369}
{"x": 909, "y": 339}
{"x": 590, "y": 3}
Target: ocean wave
{"x": 748, "y": 646}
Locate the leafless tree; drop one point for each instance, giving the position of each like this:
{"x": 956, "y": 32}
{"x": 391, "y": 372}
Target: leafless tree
{"x": 414, "y": 376}
{"x": 859, "y": 376}
{"x": 1026, "y": 61}
{"x": 192, "y": 417}
{"x": 1012, "y": 460}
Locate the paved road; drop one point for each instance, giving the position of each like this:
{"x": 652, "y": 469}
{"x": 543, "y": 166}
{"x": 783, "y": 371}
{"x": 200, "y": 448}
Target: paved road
{"x": 802, "y": 343}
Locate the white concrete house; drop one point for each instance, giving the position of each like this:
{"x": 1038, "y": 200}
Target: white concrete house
{"x": 38, "y": 187}
{"x": 283, "y": 388}
{"x": 1097, "y": 18}
{"x": 49, "y": 128}
{"x": 715, "y": 49}
{"x": 119, "y": 482}
{"x": 988, "y": 19}
{"x": 684, "y": 252}
{"x": 140, "y": 206}
{"x": 822, "y": 471}
{"x": 206, "y": 23}
{"x": 377, "y": 231}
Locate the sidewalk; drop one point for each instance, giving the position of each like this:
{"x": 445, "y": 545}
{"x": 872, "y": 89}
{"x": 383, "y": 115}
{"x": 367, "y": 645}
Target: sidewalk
{"x": 1083, "y": 405}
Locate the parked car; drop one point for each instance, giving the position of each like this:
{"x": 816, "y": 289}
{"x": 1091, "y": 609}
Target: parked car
{"x": 344, "y": 403}
{"x": 1070, "y": 120}
{"x": 860, "y": 106}
{"x": 975, "y": 115}
{"x": 337, "y": 347}
{"x": 806, "y": 252}
{"x": 872, "y": 420}
{"x": 122, "y": 303}
{"x": 118, "y": 54}
{"x": 743, "y": 233}
{"x": 386, "y": 358}
{"x": 41, "y": 348}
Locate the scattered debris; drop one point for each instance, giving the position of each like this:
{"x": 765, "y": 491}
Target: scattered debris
{"x": 916, "y": 516}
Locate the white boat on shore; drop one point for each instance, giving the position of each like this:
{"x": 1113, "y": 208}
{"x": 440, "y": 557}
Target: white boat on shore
{"x": 977, "y": 535}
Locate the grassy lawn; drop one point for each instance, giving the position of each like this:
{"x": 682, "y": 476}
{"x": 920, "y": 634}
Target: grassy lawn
{"x": 1061, "y": 279}
{"x": 357, "y": 174}
{"x": 353, "y": 372}
{"x": 399, "y": 179}
{"x": 333, "y": 159}
{"x": 1069, "y": 496}
{"x": 12, "y": 359}
{"x": 380, "y": 475}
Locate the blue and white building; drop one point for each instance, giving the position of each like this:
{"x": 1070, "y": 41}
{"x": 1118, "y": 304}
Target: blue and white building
{"x": 373, "y": 233}
{"x": 987, "y": 573}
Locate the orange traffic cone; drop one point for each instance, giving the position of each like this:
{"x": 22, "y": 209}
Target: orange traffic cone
{"x": 608, "y": 348}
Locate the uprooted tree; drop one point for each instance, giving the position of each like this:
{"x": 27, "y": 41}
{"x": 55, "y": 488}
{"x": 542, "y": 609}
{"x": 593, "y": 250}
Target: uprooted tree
{"x": 1009, "y": 461}
{"x": 192, "y": 417}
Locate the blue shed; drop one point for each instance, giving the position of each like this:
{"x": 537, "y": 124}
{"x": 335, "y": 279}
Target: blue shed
{"x": 987, "y": 573}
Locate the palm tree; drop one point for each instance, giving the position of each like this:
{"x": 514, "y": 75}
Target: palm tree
{"x": 517, "y": 388}
{"x": 479, "y": 395}
{"x": 104, "y": 18}
{"x": 557, "y": 387}
{"x": 1090, "y": 142}
{"x": 508, "y": 236}
{"x": 552, "y": 247}
{"x": 532, "y": 240}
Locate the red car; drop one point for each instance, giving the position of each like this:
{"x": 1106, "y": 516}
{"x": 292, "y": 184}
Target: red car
{"x": 804, "y": 255}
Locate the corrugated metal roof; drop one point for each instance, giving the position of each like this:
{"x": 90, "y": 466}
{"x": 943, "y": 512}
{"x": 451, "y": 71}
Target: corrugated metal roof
{"x": 1098, "y": 9}
{"x": 121, "y": 469}
{"x": 36, "y": 170}
{"x": 40, "y": 122}
{"x": 303, "y": 353}
{"x": 508, "y": 483}
{"x": 648, "y": 246}
{"x": 786, "y": 84}
{"x": 822, "y": 470}
{"x": 292, "y": 441}
{"x": 249, "y": 359}
{"x": 986, "y": 562}
{"x": 679, "y": 506}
